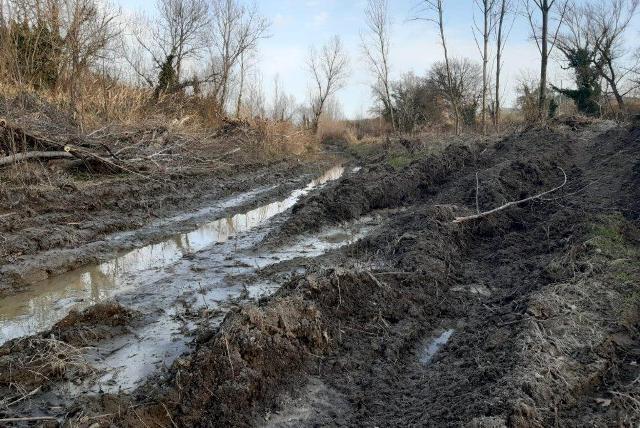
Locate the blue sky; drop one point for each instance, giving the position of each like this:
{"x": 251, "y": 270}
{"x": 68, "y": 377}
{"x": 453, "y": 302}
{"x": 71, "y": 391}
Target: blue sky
{"x": 297, "y": 24}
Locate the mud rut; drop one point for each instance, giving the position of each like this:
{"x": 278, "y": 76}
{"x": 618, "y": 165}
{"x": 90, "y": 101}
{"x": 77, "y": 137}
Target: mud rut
{"x": 544, "y": 321}
{"x": 527, "y": 318}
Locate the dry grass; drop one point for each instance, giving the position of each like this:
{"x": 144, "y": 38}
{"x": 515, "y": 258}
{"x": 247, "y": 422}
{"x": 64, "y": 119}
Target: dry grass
{"x": 32, "y": 362}
{"x": 177, "y": 134}
{"x": 283, "y": 137}
{"x": 332, "y": 131}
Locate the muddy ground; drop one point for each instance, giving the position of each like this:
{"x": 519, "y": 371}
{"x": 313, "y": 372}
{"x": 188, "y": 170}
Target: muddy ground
{"x": 45, "y": 228}
{"x": 528, "y": 317}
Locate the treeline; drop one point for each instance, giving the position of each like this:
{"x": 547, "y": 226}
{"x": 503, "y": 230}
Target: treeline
{"x": 202, "y": 55}
{"x": 195, "y": 55}
{"x": 587, "y": 37}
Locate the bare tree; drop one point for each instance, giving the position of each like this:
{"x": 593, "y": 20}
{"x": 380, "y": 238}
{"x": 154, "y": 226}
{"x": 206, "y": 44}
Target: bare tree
{"x": 181, "y": 29}
{"x": 502, "y": 34}
{"x": 433, "y": 11}
{"x": 87, "y": 29}
{"x": 174, "y": 36}
{"x": 544, "y": 39}
{"x": 236, "y": 31}
{"x": 242, "y": 72}
{"x": 459, "y": 84}
{"x": 329, "y": 69}
{"x": 488, "y": 23}
{"x": 255, "y": 103}
{"x": 608, "y": 20}
{"x": 283, "y": 106}
{"x": 375, "y": 46}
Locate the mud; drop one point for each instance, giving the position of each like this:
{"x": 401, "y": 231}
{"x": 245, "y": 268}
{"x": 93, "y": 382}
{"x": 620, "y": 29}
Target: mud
{"x": 524, "y": 318}
{"x": 47, "y": 229}
{"x": 46, "y": 301}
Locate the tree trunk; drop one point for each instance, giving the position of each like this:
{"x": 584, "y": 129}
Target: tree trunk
{"x": 241, "y": 87}
{"x": 390, "y": 106}
{"x": 614, "y": 87}
{"x": 496, "y": 113}
{"x": 485, "y": 61}
{"x": 544, "y": 59}
{"x": 452, "y": 96}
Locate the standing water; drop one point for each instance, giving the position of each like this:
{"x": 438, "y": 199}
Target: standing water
{"x": 39, "y": 307}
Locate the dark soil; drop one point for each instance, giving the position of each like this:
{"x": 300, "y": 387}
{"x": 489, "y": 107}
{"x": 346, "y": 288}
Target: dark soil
{"x": 89, "y": 327}
{"x": 543, "y": 299}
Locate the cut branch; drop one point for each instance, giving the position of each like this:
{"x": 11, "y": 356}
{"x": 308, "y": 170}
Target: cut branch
{"x": 512, "y": 203}
{"x": 7, "y": 160}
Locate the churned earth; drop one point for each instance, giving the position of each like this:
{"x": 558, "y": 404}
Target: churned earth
{"x": 379, "y": 308}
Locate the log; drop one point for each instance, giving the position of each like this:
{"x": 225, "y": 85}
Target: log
{"x": 7, "y": 160}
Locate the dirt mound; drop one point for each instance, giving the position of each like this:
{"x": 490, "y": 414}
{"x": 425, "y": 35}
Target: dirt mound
{"x": 259, "y": 350}
{"x": 39, "y": 361}
{"x": 255, "y": 349}
{"x": 101, "y": 321}
{"x": 378, "y": 188}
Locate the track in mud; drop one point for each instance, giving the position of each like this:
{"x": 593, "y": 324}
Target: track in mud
{"x": 45, "y": 302}
{"x": 525, "y": 318}
{"x": 207, "y": 270}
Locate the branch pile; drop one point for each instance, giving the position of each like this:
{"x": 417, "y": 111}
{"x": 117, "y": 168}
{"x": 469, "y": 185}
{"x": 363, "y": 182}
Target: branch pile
{"x": 109, "y": 149}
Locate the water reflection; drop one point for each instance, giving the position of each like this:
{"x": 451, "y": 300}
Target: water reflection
{"x": 40, "y": 306}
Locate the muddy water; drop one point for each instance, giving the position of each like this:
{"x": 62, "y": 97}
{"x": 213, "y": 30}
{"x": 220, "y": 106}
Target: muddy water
{"x": 43, "y": 304}
{"x": 432, "y": 346}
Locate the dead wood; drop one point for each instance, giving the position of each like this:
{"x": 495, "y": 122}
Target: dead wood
{"x": 28, "y": 419}
{"x": 512, "y": 203}
{"x": 7, "y": 160}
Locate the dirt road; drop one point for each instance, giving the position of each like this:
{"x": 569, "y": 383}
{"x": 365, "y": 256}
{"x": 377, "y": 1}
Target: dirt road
{"x": 366, "y": 305}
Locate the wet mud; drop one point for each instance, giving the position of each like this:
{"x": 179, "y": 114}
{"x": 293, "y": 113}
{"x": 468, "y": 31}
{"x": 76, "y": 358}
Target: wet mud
{"x": 365, "y": 304}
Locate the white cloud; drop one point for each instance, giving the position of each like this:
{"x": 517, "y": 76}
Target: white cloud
{"x": 281, "y": 21}
{"x": 320, "y": 18}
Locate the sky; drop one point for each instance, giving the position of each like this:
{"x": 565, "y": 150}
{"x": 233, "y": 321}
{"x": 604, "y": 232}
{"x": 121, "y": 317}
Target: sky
{"x": 299, "y": 24}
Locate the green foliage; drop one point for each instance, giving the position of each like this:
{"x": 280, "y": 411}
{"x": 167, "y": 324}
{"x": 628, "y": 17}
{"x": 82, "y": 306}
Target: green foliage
{"x": 167, "y": 78}
{"x": 33, "y": 53}
{"x": 400, "y": 161}
{"x": 588, "y": 92}
{"x": 607, "y": 236}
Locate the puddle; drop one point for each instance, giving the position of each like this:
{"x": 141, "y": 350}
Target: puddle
{"x": 434, "y": 345}
{"x": 48, "y": 301}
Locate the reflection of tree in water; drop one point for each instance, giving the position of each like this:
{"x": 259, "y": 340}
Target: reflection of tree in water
{"x": 99, "y": 283}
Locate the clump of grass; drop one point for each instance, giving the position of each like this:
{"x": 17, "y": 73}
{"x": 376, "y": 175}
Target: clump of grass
{"x": 400, "y": 161}
{"x": 607, "y": 236}
{"x": 333, "y": 131}
{"x": 28, "y": 363}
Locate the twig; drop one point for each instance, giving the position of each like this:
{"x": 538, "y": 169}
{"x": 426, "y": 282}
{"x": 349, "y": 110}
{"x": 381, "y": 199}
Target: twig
{"x": 226, "y": 344}
{"x": 35, "y": 391}
{"x": 477, "y": 193}
{"x": 237, "y": 149}
{"x": 512, "y": 203}
{"x": 169, "y": 414}
{"x": 11, "y": 214}
{"x": 28, "y": 419}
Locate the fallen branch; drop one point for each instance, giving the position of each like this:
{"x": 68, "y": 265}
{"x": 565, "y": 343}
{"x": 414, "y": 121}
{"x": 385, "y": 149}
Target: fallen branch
{"x": 29, "y": 419}
{"x": 33, "y": 155}
{"x": 513, "y": 203}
